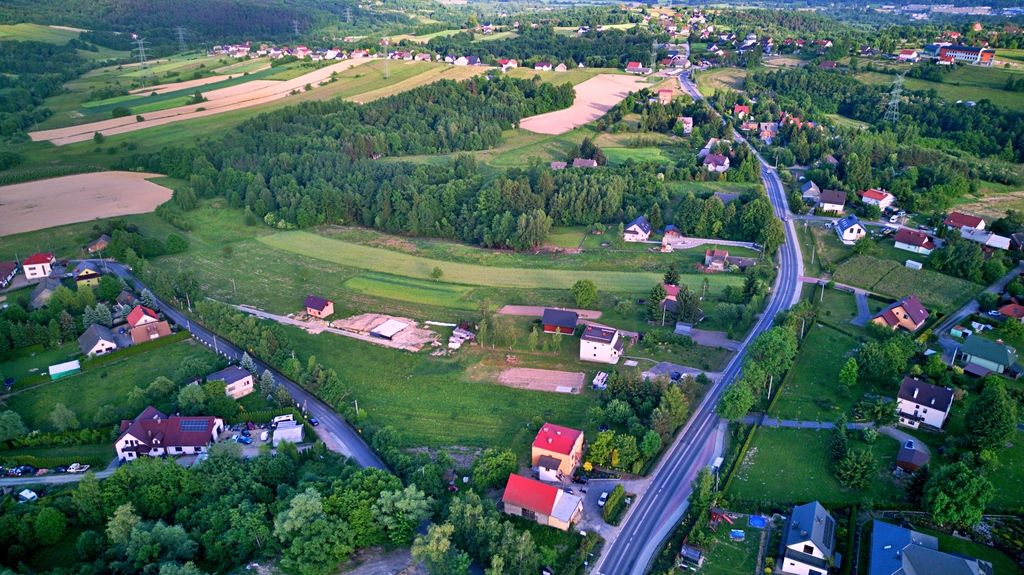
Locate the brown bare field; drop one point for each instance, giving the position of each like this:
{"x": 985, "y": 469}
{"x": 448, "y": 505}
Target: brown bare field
{"x": 228, "y": 99}
{"x": 784, "y": 62}
{"x": 184, "y": 85}
{"x": 995, "y": 206}
{"x": 69, "y": 199}
{"x": 593, "y": 99}
{"x": 542, "y": 379}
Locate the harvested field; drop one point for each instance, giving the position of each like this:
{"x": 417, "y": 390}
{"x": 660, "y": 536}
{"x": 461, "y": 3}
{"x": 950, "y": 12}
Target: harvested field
{"x": 69, "y": 199}
{"x": 593, "y": 99}
{"x": 542, "y": 379}
{"x": 228, "y": 99}
{"x": 160, "y": 89}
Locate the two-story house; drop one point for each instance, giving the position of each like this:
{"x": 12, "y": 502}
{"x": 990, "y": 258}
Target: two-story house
{"x": 810, "y": 540}
{"x": 920, "y": 403}
{"x": 556, "y": 452}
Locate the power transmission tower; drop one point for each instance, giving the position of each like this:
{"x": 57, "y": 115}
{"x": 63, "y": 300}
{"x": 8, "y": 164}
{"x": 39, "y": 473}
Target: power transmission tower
{"x": 295, "y": 27}
{"x": 181, "y": 39}
{"x": 654, "y": 53}
{"x": 140, "y": 47}
{"x": 892, "y": 111}
{"x": 348, "y": 14}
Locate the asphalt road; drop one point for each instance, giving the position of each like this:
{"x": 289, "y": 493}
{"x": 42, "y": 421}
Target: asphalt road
{"x": 335, "y": 432}
{"x": 651, "y": 519}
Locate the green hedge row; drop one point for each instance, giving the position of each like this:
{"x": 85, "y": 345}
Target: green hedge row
{"x": 55, "y": 461}
{"x": 615, "y": 505}
{"x": 739, "y": 458}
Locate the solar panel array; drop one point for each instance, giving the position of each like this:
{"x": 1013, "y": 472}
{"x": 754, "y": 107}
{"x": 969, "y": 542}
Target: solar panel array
{"x": 194, "y": 425}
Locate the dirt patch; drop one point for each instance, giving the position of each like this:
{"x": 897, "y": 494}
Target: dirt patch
{"x": 377, "y": 561}
{"x": 252, "y": 93}
{"x": 392, "y": 243}
{"x": 593, "y": 99}
{"x": 409, "y": 337}
{"x": 69, "y": 199}
{"x": 542, "y": 379}
{"x": 784, "y": 62}
{"x": 996, "y": 205}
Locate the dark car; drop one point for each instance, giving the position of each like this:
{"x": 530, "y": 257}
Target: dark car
{"x": 314, "y": 421}
{"x": 60, "y": 469}
{"x": 246, "y": 433}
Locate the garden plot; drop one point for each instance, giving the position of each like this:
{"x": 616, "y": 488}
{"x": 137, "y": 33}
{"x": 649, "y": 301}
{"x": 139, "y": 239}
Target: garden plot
{"x": 543, "y": 379}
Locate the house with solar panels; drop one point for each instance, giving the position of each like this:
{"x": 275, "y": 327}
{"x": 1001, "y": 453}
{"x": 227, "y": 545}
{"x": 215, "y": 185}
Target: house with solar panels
{"x": 153, "y": 434}
{"x": 810, "y": 542}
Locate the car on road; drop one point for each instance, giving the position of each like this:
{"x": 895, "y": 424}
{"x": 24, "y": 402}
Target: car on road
{"x": 314, "y": 421}
{"x": 910, "y": 444}
{"x": 601, "y": 501}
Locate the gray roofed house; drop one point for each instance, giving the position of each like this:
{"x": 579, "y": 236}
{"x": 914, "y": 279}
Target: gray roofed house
{"x": 810, "y": 540}
{"x": 810, "y": 192}
{"x": 832, "y": 200}
{"x": 985, "y": 238}
{"x": 238, "y": 382}
{"x": 584, "y": 163}
{"x": 43, "y": 292}
{"x": 899, "y": 551}
{"x": 919, "y": 402}
{"x": 229, "y": 374}
{"x": 97, "y": 340}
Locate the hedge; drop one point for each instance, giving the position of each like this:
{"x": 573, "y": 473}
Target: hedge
{"x": 615, "y": 505}
{"x": 268, "y": 415}
{"x": 50, "y": 462}
{"x": 851, "y": 535}
{"x": 739, "y": 459}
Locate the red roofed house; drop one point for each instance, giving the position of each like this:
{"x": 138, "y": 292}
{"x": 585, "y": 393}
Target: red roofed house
{"x": 141, "y": 315}
{"x": 957, "y": 220}
{"x": 38, "y": 266}
{"x": 715, "y": 260}
{"x": 1013, "y": 310}
{"x": 154, "y": 434}
{"x": 876, "y": 197}
{"x": 908, "y": 55}
{"x": 540, "y": 502}
{"x": 907, "y": 313}
{"x": 7, "y": 272}
{"x": 633, "y": 66}
{"x": 556, "y": 453}
{"x": 665, "y": 97}
{"x": 317, "y": 306}
{"x": 507, "y": 64}
{"x": 740, "y": 111}
{"x": 914, "y": 241}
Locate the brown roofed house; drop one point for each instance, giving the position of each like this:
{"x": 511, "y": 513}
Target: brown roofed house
{"x": 154, "y": 434}
{"x": 907, "y": 313}
{"x": 150, "y": 331}
{"x": 317, "y": 306}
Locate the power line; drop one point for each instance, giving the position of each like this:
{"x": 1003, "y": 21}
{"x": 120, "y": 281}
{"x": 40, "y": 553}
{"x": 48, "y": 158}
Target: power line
{"x": 892, "y": 110}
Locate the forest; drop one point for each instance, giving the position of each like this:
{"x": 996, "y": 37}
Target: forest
{"x": 607, "y": 49}
{"x": 29, "y": 73}
{"x": 205, "y": 21}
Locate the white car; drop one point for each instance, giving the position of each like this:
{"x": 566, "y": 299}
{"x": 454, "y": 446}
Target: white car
{"x": 601, "y": 501}
{"x": 77, "y": 468}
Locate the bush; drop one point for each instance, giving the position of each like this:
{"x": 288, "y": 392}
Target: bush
{"x": 120, "y": 112}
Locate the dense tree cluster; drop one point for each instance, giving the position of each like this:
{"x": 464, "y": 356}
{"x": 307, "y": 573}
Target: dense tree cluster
{"x": 29, "y": 73}
{"x": 312, "y": 510}
{"x": 605, "y": 49}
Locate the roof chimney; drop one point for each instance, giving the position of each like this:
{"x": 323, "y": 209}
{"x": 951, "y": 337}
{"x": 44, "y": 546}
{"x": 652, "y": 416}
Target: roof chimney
{"x": 550, "y": 440}
{"x": 916, "y": 389}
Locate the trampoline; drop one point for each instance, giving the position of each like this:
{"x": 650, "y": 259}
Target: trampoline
{"x": 757, "y": 521}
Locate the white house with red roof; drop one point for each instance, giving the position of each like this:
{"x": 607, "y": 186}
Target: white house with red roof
{"x": 540, "y": 502}
{"x": 908, "y": 55}
{"x": 958, "y": 220}
{"x": 877, "y": 197}
{"x": 556, "y": 452}
{"x": 665, "y": 97}
{"x": 507, "y": 64}
{"x": 914, "y": 241}
{"x": 38, "y": 266}
{"x": 741, "y": 111}
{"x": 141, "y": 315}
{"x": 154, "y": 434}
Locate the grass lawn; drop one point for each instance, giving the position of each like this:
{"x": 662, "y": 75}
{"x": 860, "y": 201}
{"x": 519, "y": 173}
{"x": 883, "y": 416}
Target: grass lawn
{"x": 938, "y": 291}
{"x": 428, "y": 73}
{"x": 820, "y": 249}
{"x": 445, "y": 401}
{"x": 1009, "y": 477}
{"x": 107, "y": 385}
{"x": 26, "y": 32}
{"x": 966, "y": 83}
{"x": 789, "y": 465}
{"x": 572, "y": 76}
{"x": 618, "y": 156}
{"x": 727, "y": 557}
{"x": 720, "y": 79}
{"x": 844, "y": 122}
{"x": 567, "y": 237}
{"x": 34, "y": 360}
{"x": 386, "y": 261}
{"x": 811, "y": 389}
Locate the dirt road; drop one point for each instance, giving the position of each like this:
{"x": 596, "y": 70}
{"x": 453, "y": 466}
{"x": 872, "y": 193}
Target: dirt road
{"x": 593, "y": 99}
{"x": 69, "y": 199}
{"x": 238, "y": 97}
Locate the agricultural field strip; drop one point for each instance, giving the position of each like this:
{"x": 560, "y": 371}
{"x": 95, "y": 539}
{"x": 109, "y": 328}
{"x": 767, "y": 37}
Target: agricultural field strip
{"x": 390, "y": 262}
{"x": 241, "y": 97}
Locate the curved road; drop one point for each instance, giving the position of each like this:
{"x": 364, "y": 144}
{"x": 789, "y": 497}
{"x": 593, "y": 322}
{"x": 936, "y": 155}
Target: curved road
{"x": 335, "y": 432}
{"x": 651, "y": 519}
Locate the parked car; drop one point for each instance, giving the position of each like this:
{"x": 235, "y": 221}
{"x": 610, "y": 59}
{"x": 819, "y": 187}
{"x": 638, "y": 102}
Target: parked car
{"x": 242, "y": 439}
{"x": 910, "y": 444}
{"x": 264, "y": 436}
{"x": 994, "y": 313}
{"x": 77, "y": 468}
{"x": 314, "y": 421}
{"x": 60, "y": 469}
{"x": 246, "y": 433}
{"x": 603, "y": 499}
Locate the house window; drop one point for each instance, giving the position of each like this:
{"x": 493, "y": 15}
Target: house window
{"x": 808, "y": 549}
{"x": 527, "y": 513}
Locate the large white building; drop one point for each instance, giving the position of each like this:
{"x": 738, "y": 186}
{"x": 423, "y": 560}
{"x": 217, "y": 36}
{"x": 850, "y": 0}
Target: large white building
{"x": 154, "y": 434}
{"x": 923, "y": 403}
{"x": 601, "y": 345}
{"x": 38, "y": 266}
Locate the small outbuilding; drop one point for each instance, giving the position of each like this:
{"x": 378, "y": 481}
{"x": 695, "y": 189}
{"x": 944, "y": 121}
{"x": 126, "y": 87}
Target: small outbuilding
{"x": 561, "y": 321}
{"x": 910, "y": 460}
